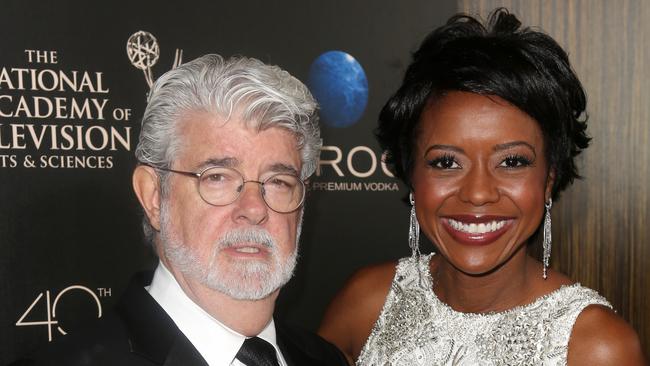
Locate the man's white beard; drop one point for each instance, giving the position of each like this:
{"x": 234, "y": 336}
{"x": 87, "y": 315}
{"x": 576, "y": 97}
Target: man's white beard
{"x": 239, "y": 279}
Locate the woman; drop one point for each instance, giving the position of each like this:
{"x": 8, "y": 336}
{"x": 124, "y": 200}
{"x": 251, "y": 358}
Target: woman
{"x": 484, "y": 130}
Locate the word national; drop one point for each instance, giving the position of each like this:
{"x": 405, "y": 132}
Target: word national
{"x": 52, "y": 80}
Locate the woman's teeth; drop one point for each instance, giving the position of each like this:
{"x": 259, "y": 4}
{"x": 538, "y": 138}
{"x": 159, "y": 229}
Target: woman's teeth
{"x": 475, "y": 228}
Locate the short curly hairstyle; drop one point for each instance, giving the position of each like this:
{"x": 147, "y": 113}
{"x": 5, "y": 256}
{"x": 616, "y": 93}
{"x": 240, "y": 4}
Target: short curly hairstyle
{"x": 527, "y": 68}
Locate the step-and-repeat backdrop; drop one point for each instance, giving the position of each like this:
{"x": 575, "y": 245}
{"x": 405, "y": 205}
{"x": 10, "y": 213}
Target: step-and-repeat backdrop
{"x": 74, "y": 76}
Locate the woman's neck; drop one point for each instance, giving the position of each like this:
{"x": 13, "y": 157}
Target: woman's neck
{"x": 508, "y": 286}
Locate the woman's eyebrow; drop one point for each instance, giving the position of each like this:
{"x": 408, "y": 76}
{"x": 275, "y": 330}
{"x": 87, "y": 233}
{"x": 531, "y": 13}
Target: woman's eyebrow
{"x": 509, "y": 145}
{"x": 445, "y": 147}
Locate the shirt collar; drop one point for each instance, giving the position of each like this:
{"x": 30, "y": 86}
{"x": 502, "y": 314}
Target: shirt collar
{"x": 217, "y": 343}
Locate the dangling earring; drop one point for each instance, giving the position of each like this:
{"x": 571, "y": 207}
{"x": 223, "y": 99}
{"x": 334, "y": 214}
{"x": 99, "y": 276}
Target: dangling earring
{"x": 414, "y": 230}
{"x": 546, "y": 244}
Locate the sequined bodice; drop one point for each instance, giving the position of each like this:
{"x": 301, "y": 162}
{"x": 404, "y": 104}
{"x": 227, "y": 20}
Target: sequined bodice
{"x": 416, "y": 328}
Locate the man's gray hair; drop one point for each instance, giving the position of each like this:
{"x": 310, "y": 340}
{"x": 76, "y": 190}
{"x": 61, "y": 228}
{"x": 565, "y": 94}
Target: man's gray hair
{"x": 262, "y": 96}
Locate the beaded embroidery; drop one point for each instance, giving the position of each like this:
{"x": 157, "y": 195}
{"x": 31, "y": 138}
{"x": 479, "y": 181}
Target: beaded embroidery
{"x": 416, "y": 328}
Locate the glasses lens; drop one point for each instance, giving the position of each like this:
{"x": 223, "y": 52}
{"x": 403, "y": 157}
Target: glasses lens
{"x": 283, "y": 192}
{"x": 220, "y": 186}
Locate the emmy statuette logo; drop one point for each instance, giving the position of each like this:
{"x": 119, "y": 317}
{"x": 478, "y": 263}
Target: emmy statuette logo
{"x": 143, "y": 51}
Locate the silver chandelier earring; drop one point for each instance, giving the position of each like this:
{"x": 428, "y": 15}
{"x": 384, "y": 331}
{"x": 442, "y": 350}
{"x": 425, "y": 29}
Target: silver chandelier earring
{"x": 547, "y": 236}
{"x": 414, "y": 230}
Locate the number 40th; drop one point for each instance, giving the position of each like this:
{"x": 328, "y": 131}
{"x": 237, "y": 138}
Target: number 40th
{"x": 51, "y": 308}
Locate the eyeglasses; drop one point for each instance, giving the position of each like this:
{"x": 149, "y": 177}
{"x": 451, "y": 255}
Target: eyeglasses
{"x": 221, "y": 186}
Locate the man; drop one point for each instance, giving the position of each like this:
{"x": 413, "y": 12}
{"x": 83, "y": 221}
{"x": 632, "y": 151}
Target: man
{"x": 224, "y": 150}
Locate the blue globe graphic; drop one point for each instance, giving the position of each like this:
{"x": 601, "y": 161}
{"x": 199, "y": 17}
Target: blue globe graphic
{"x": 339, "y": 84}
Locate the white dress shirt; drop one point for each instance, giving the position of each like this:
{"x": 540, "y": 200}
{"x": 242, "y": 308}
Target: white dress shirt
{"x": 216, "y": 343}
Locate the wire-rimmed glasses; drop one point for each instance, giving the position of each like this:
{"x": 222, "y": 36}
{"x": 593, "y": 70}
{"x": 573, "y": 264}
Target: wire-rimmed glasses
{"x": 221, "y": 186}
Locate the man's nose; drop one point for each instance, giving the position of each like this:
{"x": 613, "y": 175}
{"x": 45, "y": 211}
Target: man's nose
{"x": 250, "y": 205}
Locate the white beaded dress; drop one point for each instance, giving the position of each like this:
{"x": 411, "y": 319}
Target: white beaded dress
{"x": 416, "y": 328}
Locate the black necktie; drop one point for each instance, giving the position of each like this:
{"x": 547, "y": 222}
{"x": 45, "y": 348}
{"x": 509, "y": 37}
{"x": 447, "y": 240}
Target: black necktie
{"x": 257, "y": 352}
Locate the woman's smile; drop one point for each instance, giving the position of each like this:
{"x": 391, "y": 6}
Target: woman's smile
{"x": 476, "y": 230}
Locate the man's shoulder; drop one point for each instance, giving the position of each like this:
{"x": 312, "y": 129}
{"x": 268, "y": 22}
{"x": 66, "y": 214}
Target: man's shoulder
{"x": 302, "y": 346}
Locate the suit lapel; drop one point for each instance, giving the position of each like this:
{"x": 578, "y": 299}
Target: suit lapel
{"x": 152, "y": 333}
{"x": 292, "y": 355}
{"x": 293, "y": 350}
{"x": 183, "y": 353}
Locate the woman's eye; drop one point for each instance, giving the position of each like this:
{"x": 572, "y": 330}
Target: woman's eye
{"x": 444, "y": 162}
{"x": 515, "y": 161}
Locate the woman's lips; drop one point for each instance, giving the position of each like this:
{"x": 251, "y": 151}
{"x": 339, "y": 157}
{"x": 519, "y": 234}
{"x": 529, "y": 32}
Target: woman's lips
{"x": 473, "y": 230}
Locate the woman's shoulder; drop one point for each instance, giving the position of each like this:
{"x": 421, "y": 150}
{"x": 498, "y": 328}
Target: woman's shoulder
{"x": 352, "y": 314}
{"x": 364, "y": 292}
{"x": 368, "y": 277}
{"x": 368, "y": 286}
{"x": 600, "y": 337}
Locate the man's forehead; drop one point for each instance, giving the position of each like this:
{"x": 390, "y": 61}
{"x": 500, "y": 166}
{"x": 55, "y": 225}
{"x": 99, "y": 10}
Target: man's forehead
{"x": 206, "y": 139}
{"x": 202, "y": 120}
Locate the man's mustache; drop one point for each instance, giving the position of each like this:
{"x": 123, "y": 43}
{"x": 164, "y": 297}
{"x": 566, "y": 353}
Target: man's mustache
{"x": 247, "y": 235}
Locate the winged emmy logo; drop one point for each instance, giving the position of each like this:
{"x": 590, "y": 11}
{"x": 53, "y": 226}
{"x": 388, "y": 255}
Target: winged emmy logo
{"x": 143, "y": 51}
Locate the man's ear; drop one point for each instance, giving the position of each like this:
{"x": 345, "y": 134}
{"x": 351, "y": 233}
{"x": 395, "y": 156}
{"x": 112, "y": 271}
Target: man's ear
{"x": 550, "y": 181}
{"x": 147, "y": 189}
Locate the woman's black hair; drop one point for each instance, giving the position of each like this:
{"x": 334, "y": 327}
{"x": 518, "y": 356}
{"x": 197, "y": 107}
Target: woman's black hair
{"x": 527, "y": 68}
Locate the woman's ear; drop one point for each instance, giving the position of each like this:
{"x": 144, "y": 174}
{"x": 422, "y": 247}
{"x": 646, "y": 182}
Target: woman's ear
{"x": 147, "y": 188}
{"x": 550, "y": 181}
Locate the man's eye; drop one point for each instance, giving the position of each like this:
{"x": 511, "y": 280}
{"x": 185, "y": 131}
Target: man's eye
{"x": 215, "y": 177}
{"x": 444, "y": 162}
{"x": 515, "y": 161}
{"x": 280, "y": 182}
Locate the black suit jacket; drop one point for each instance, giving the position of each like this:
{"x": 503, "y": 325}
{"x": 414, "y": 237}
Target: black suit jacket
{"x": 140, "y": 333}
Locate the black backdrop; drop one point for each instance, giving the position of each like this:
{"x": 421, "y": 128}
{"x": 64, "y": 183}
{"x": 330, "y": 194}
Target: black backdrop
{"x": 69, "y": 222}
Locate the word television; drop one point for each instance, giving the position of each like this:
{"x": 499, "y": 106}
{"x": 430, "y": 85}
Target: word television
{"x": 64, "y": 137}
